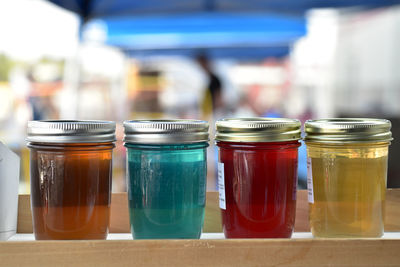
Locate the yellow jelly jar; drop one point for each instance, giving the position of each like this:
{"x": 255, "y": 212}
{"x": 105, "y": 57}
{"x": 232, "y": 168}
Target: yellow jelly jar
{"x": 346, "y": 176}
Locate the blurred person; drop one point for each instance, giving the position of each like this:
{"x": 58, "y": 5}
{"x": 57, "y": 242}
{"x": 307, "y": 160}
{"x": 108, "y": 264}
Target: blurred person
{"x": 211, "y": 107}
{"x": 212, "y": 99}
{"x": 40, "y": 98}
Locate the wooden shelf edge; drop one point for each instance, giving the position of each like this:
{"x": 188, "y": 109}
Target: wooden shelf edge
{"x": 233, "y": 252}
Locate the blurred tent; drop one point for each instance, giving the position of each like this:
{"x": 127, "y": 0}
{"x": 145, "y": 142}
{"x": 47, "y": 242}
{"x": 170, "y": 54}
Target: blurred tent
{"x": 221, "y": 34}
{"x": 226, "y": 28}
{"x": 239, "y": 53}
{"x": 89, "y": 9}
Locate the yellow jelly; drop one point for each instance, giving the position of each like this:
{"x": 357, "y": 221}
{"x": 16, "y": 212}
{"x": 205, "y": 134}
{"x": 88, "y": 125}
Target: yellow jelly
{"x": 347, "y": 172}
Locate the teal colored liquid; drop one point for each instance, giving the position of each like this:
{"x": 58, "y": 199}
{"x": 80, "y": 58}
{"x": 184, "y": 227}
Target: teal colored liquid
{"x": 166, "y": 190}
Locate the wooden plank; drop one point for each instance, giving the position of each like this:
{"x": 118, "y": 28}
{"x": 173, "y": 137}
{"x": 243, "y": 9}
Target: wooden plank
{"x": 212, "y": 223}
{"x": 119, "y": 217}
{"x": 233, "y": 252}
{"x": 392, "y": 217}
{"x": 301, "y": 223}
{"x": 24, "y": 222}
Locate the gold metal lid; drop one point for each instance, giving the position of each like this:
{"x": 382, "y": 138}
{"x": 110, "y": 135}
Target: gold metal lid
{"x": 348, "y": 130}
{"x": 257, "y": 130}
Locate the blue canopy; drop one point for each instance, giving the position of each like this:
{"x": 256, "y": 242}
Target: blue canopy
{"x": 241, "y": 53}
{"x": 203, "y": 30}
{"x": 241, "y": 28}
{"x": 89, "y": 9}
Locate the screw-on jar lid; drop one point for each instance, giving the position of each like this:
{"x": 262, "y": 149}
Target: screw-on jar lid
{"x": 165, "y": 131}
{"x": 348, "y": 130}
{"x": 71, "y": 131}
{"x": 258, "y": 130}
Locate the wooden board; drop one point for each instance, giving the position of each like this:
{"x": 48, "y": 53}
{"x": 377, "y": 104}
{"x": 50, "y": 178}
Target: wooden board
{"x": 212, "y": 223}
{"x": 239, "y": 252}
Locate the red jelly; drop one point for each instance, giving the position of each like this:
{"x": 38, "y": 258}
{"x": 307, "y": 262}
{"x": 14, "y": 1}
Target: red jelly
{"x": 257, "y": 176}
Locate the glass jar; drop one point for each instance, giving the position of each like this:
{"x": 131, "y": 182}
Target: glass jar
{"x": 166, "y": 175}
{"x": 257, "y": 176}
{"x": 71, "y": 170}
{"x": 347, "y": 169}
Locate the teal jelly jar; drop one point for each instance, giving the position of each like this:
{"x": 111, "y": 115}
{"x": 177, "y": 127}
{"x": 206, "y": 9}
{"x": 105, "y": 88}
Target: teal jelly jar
{"x": 166, "y": 177}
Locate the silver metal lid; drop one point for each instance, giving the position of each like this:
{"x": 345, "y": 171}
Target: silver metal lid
{"x": 258, "y": 130}
{"x": 71, "y": 131}
{"x": 165, "y": 131}
{"x": 348, "y": 130}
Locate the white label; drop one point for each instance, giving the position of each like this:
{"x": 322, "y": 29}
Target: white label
{"x": 221, "y": 185}
{"x": 310, "y": 182}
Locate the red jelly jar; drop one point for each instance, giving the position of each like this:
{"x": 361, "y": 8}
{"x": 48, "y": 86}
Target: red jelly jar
{"x": 257, "y": 176}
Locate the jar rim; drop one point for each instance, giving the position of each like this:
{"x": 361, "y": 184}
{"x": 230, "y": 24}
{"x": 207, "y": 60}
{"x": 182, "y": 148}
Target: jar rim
{"x": 258, "y": 129}
{"x": 348, "y": 130}
{"x": 71, "y": 131}
{"x": 166, "y": 131}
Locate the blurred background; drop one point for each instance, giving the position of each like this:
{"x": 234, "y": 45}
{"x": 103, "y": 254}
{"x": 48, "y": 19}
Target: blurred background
{"x": 200, "y": 59}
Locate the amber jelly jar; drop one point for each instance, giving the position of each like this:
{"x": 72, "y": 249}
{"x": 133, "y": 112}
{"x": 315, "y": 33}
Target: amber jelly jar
{"x": 71, "y": 171}
{"x": 346, "y": 179}
{"x": 257, "y": 176}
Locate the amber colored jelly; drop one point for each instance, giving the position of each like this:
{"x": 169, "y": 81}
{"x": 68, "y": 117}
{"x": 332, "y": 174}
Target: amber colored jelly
{"x": 346, "y": 176}
{"x": 71, "y": 190}
{"x": 349, "y": 186}
{"x": 260, "y": 188}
